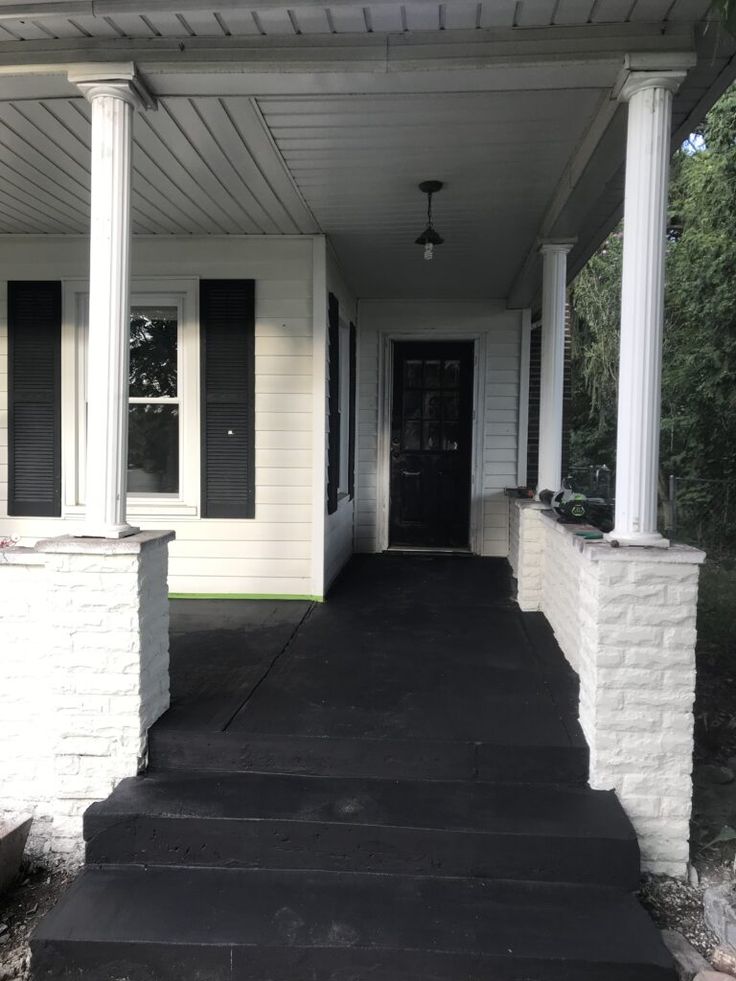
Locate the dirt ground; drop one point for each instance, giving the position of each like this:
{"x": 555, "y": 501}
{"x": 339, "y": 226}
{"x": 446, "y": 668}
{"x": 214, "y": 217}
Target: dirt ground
{"x": 36, "y": 891}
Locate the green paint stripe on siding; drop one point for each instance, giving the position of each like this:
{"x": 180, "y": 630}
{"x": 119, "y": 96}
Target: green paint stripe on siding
{"x": 246, "y": 596}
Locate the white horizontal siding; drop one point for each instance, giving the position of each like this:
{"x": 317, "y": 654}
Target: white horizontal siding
{"x": 270, "y": 554}
{"x": 497, "y": 416}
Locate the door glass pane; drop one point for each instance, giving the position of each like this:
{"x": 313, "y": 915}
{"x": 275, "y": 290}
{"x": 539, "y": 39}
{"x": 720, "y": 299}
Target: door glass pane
{"x": 432, "y": 436}
{"x": 153, "y": 341}
{"x": 412, "y": 435}
{"x": 451, "y": 406}
{"x": 153, "y": 449}
{"x": 432, "y": 405}
{"x": 450, "y": 436}
{"x": 413, "y": 374}
{"x": 451, "y": 374}
{"x": 432, "y": 374}
{"x": 412, "y": 405}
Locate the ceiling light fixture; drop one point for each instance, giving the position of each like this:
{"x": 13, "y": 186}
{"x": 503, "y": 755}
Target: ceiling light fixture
{"x": 429, "y": 237}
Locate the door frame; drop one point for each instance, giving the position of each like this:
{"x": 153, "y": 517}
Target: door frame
{"x": 386, "y": 343}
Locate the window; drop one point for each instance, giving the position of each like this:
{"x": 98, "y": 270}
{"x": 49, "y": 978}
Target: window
{"x": 163, "y": 394}
{"x": 153, "y": 417}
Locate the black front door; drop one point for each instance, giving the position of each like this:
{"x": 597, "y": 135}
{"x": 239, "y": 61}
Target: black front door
{"x": 431, "y": 435}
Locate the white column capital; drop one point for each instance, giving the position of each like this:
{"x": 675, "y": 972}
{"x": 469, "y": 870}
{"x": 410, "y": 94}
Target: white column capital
{"x": 638, "y": 81}
{"x": 558, "y": 245}
{"x": 116, "y": 81}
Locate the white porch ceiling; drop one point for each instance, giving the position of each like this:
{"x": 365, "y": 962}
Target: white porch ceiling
{"x": 346, "y": 165}
{"x": 284, "y": 120}
{"x": 358, "y": 161}
{"x": 123, "y": 18}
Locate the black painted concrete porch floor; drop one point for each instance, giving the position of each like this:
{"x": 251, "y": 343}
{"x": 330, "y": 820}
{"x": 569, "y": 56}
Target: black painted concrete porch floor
{"x": 390, "y": 785}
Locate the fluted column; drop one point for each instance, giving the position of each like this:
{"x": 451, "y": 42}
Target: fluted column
{"x": 649, "y": 95}
{"x": 113, "y": 102}
{"x": 554, "y": 282}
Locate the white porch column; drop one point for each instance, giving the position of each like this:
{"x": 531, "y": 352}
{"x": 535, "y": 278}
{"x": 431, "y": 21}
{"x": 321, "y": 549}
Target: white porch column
{"x": 649, "y": 95}
{"x": 554, "y": 282}
{"x": 114, "y": 94}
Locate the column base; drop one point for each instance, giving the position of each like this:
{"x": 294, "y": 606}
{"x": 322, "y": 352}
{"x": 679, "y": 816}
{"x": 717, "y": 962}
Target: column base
{"x": 636, "y": 538}
{"x": 107, "y": 531}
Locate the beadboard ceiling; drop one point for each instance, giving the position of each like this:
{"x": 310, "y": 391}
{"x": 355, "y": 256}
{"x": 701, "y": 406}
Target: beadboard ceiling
{"x": 347, "y": 165}
{"x": 120, "y": 18}
{"x": 291, "y": 131}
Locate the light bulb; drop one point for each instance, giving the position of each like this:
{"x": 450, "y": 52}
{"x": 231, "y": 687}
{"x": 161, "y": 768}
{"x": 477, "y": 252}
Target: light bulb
{"x": 428, "y": 251}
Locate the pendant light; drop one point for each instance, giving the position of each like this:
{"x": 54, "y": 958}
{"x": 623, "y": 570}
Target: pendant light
{"x": 429, "y": 237}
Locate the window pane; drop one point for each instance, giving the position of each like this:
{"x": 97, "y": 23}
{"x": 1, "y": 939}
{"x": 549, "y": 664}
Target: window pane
{"x": 450, "y": 436}
{"x": 412, "y": 405}
{"x": 451, "y": 406}
{"x": 451, "y": 374}
{"x": 153, "y": 338}
{"x": 412, "y": 374}
{"x": 432, "y": 405}
{"x": 432, "y": 431}
{"x": 153, "y": 449}
{"x": 412, "y": 435}
{"x": 432, "y": 374}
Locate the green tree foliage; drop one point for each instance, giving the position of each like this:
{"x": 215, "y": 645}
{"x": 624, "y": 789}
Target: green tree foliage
{"x": 699, "y": 368}
{"x": 596, "y": 304}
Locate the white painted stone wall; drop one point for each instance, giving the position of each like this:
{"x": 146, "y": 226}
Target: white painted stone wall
{"x": 84, "y": 674}
{"x": 625, "y": 620}
{"x": 526, "y": 540}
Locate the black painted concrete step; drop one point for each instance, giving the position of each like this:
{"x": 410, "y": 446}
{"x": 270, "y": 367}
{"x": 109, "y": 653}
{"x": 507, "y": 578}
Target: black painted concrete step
{"x": 563, "y": 762}
{"x": 165, "y": 924}
{"x": 272, "y": 821}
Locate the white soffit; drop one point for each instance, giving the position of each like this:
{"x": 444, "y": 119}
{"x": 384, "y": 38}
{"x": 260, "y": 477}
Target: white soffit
{"x": 75, "y": 19}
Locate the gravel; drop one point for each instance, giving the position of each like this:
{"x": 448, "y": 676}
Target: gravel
{"x": 21, "y": 907}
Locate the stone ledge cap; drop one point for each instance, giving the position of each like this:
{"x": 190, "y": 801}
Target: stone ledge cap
{"x": 20, "y": 555}
{"x": 674, "y": 555}
{"x": 132, "y": 545}
{"x": 603, "y": 551}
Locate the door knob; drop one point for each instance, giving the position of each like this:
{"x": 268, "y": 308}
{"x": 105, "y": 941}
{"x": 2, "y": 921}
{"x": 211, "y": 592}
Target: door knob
{"x": 411, "y": 473}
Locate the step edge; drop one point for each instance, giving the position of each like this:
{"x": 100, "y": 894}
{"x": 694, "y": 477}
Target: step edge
{"x": 628, "y": 837}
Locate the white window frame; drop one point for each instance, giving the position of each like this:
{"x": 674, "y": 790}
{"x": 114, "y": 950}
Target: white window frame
{"x": 183, "y": 294}
{"x": 344, "y": 406}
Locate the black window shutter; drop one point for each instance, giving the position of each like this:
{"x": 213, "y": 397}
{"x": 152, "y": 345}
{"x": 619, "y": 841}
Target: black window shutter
{"x": 353, "y": 412}
{"x": 333, "y": 402}
{"x": 34, "y": 398}
{"x": 227, "y": 335}
{"x": 535, "y": 375}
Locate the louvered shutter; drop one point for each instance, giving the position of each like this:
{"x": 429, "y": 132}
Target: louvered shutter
{"x": 34, "y": 398}
{"x": 333, "y": 403}
{"x": 227, "y": 325}
{"x": 535, "y": 374}
{"x": 353, "y": 412}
